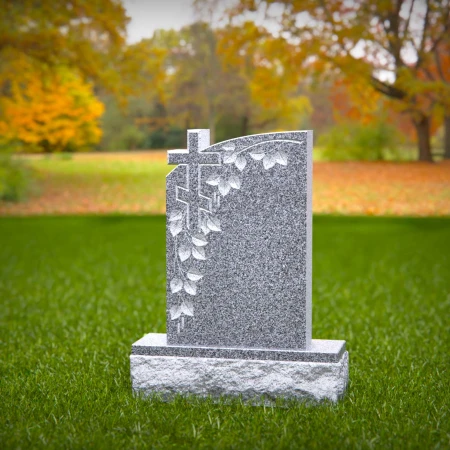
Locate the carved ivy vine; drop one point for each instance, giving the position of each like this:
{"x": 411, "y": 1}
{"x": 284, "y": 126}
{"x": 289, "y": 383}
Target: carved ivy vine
{"x": 190, "y": 247}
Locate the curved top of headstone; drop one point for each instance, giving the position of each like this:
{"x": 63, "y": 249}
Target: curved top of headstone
{"x": 239, "y": 241}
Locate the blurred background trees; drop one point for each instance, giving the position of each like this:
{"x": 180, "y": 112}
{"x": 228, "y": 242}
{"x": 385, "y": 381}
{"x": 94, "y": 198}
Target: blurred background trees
{"x": 51, "y": 54}
{"x": 49, "y": 110}
{"x": 397, "y": 48}
{"x": 371, "y": 78}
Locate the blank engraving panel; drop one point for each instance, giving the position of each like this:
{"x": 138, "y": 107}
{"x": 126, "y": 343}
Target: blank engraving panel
{"x": 239, "y": 242}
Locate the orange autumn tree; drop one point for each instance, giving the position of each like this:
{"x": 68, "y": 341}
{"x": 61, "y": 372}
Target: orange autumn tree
{"x": 435, "y": 87}
{"x": 366, "y": 40}
{"x": 50, "y": 52}
{"x": 366, "y": 126}
{"x": 49, "y": 111}
{"x": 266, "y": 89}
{"x": 88, "y": 35}
{"x": 351, "y": 101}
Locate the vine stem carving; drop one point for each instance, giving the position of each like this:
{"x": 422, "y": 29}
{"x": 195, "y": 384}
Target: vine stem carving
{"x": 190, "y": 247}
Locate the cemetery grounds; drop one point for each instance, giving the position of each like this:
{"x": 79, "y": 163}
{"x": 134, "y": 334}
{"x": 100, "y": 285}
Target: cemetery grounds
{"x": 82, "y": 266}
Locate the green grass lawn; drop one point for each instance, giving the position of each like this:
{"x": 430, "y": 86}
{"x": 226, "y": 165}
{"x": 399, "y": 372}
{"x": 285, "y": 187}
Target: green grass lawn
{"x": 76, "y": 292}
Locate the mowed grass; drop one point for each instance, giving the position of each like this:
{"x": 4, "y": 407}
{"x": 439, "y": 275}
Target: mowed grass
{"x": 77, "y": 291}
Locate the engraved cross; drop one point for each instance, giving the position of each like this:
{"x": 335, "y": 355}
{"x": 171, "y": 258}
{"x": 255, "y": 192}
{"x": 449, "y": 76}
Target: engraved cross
{"x": 194, "y": 158}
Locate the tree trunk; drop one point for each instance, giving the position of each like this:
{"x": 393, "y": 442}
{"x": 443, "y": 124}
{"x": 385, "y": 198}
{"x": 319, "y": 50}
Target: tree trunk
{"x": 46, "y": 146}
{"x": 447, "y": 137}
{"x": 244, "y": 130}
{"x": 423, "y": 138}
{"x": 212, "y": 124}
{"x": 187, "y": 127}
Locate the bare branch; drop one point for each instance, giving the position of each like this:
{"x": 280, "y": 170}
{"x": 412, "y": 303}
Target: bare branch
{"x": 438, "y": 40}
{"x": 424, "y": 35}
{"x": 387, "y": 89}
{"x": 428, "y": 74}
{"x": 324, "y": 6}
{"x": 408, "y": 20}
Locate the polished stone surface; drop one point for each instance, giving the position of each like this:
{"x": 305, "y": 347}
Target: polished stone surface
{"x": 239, "y": 254}
{"x": 255, "y": 381}
{"x": 321, "y": 350}
{"x": 239, "y": 242}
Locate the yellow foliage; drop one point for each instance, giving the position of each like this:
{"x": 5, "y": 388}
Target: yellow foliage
{"x": 49, "y": 111}
{"x": 87, "y": 35}
{"x": 264, "y": 62}
{"x": 352, "y": 100}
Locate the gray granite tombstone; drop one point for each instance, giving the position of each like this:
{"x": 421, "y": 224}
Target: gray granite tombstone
{"x": 239, "y": 250}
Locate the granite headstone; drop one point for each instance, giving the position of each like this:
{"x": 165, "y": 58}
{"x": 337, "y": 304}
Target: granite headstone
{"x": 239, "y": 254}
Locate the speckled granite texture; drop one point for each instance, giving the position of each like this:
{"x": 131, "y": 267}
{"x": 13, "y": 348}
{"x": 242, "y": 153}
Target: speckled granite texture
{"x": 239, "y": 251}
{"x": 253, "y": 380}
{"x": 239, "y": 242}
{"x": 321, "y": 350}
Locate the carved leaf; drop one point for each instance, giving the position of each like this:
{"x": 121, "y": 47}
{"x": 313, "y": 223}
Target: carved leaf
{"x": 190, "y": 287}
{"x": 198, "y": 253}
{"x": 224, "y": 187}
{"x": 194, "y": 275}
{"x": 187, "y": 308}
{"x": 175, "y": 215}
{"x": 213, "y": 223}
{"x": 184, "y": 252}
{"x": 213, "y": 179}
{"x": 199, "y": 239}
{"x": 229, "y": 147}
{"x": 281, "y": 158}
{"x": 234, "y": 182}
{"x": 175, "y": 312}
{"x": 268, "y": 161}
{"x": 176, "y": 285}
{"x": 176, "y": 227}
{"x": 240, "y": 162}
{"x": 229, "y": 157}
{"x": 257, "y": 154}
{"x": 204, "y": 227}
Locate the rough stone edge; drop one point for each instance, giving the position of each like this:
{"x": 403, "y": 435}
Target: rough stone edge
{"x": 253, "y": 381}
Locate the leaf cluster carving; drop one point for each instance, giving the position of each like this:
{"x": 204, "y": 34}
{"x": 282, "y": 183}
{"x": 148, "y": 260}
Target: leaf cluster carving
{"x": 224, "y": 183}
{"x": 227, "y": 181}
{"x": 186, "y": 308}
{"x": 191, "y": 247}
{"x": 270, "y": 159}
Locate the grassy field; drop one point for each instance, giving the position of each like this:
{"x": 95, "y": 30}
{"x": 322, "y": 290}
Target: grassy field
{"x": 132, "y": 183}
{"x": 77, "y": 291}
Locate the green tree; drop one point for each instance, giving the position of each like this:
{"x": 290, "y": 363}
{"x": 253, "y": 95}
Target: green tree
{"x": 194, "y": 78}
{"x": 199, "y": 83}
{"x": 266, "y": 93}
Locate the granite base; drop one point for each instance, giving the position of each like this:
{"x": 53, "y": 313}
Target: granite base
{"x": 254, "y": 380}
